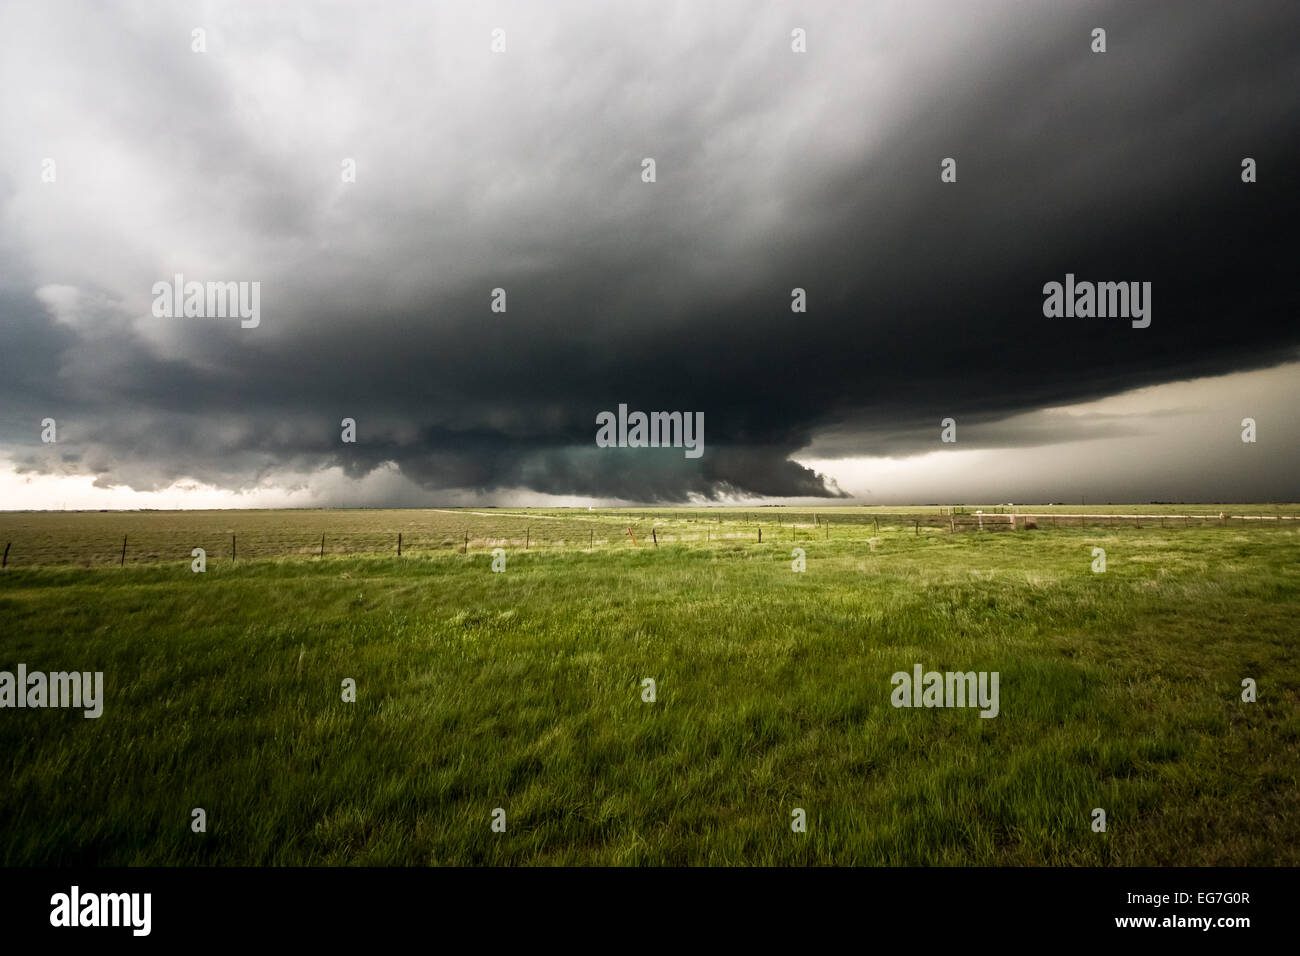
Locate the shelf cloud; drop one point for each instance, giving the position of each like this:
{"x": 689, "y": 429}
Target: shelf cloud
{"x": 457, "y": 247}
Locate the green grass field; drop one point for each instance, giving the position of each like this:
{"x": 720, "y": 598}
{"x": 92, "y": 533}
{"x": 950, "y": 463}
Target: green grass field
{"x": 522, "y": 690}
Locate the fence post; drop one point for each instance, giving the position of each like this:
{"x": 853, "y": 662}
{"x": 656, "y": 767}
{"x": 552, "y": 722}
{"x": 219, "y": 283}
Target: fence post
{"x": 526, "y": 531}
{"x": 876, "y": 522}
{"x": 655, "y": 535}
{"x": 5, "y": 562}
{"x": 760, "y": 535}
{"x": 399, "y": 544}
{"x": 322, "y": 546}
{"x": 918, "y": 528}
{"x": 233, "y": 553}
{"x": 592, "y": 545}
{"x": 122, "y": 563}
{"x": 465, "y": 549}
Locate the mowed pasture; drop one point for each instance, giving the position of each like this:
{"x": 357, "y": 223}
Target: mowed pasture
{"x": 522, "y": 690}
{"x": 90, "y": 538}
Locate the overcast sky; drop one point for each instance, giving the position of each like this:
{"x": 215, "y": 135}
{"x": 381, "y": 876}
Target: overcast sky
{"x": 523, "y": 170}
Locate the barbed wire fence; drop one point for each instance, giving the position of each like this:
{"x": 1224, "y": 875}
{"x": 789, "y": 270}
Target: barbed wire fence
{"x": 602, "y": 532}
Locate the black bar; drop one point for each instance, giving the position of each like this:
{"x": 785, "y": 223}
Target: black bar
{"x": 926, "y": 907}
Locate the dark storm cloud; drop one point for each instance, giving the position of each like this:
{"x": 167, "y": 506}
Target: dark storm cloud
{"x": 775, "y": 170}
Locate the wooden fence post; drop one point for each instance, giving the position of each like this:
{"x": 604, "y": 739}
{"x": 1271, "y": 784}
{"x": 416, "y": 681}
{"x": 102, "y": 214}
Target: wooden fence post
{"x": 655, "y": 535}
{"x": 760, "y": 535}
{"x": 592, "y": 545}
{"x": 233, "y": 553}
{"x": 465, "y": 548}
{"x": 122, "y": 563}
{"x": 399, "y": 544}
{"x": 5, "y": 562}
{"x": 526, "y": 538}
{"x": 322, "y": 545}
{"x": 918, "y": 528}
